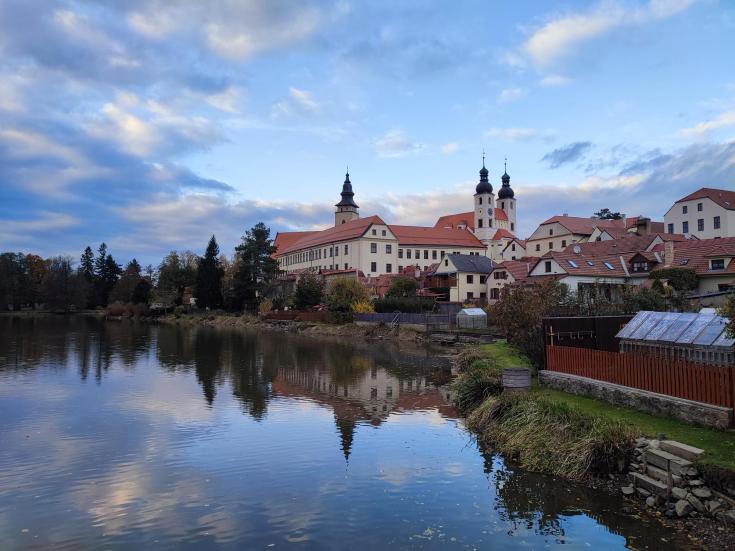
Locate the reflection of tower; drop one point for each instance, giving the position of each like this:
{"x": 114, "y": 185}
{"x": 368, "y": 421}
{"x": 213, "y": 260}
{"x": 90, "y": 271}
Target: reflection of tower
{"x": 346, "y": 427}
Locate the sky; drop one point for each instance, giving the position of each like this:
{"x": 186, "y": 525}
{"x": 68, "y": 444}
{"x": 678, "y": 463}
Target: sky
{"x": 153, "y": 124}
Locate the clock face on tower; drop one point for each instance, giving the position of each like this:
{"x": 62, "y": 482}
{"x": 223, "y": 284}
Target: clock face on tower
{"x": 490, "y": 211}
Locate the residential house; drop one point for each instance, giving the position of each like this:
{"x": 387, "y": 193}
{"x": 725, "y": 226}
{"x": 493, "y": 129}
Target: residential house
{"x": 463, "y": 277}
{"x": 514, "y": 249}
{"x": 711, "y": 259}
{"x": 707, "y": 213}
{"x": 507, "y": 272}
{"x": 556, "y": 233}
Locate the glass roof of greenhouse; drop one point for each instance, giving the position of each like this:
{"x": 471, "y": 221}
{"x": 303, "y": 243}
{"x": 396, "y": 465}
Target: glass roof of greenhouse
{"x": 703, "y": 329}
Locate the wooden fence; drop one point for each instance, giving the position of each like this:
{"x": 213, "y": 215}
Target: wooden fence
{"x": 709, "y": 384}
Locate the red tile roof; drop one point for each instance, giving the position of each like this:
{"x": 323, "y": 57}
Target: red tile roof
{"x": 723, "y": 197}
{"x": 696, "y": 254}
{"x": 626, "y": 244}
{"x": 285, "y": 239}
{"x": 593, "y": 262}
{"x": 583, "y": 226}
{"x": 343, "y": 232}
{"x": 465, "y": 219}
{"x": 418, "y": 235}
{"x": 518, "y": 269}
{"x": 503, "y": 234}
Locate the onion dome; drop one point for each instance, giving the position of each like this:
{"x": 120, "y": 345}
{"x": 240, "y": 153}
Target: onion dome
{"x": 506, "y": 192}
{"x": 484, "y": 186}
{"x": 347, "y": 194}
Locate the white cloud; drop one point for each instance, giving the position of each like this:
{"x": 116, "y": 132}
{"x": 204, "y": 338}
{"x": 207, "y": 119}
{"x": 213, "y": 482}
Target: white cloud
{"x": 699, "y": 130}
{"x": 554, "y": 80}
{"x": 520, "y": 134}
{"x": 228, "y": 99}
{"x": 510, "y": 94}
{"x": 450, "y": 147}
{"x": 300, "y": 102}
{"x": 303, "y": 99}
{"x": 395, "y": 143}
{"x": 560, "y": 36}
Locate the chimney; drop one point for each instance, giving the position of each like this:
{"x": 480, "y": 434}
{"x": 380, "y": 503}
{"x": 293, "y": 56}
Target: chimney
{"x": 643, "y": 226}
{"x": 668, "y": 253}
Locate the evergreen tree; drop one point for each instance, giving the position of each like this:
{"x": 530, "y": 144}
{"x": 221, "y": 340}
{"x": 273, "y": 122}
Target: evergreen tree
{"x": 309, "y": 291}
{"x": 256, "y": 268}
{"x": 131, "y": 287}
{"x": 86, "y": 264}
{"x": 209, "y": 278}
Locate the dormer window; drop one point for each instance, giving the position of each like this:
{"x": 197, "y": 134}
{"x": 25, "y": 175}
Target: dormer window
{"x": 717, "y": 264}
{"x": 640, "y": 266}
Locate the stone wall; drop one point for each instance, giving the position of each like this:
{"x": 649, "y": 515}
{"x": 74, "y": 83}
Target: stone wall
{"x": 650, "y": 402}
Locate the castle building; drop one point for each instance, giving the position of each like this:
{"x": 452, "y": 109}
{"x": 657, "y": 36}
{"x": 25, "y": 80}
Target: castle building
{"x": 374, "y": 247}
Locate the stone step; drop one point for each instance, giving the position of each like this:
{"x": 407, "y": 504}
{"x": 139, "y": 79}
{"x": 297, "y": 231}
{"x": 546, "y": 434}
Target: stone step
{"x": 690, "y": 453}
{"x": 651, "y": 484}
{"x": 662, "y": 460}
{"x": 662, "y": 475}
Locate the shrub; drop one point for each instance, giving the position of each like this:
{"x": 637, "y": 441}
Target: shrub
{"x": 309, "y": 291}
{"x": 343, "y": 293}
{"x": 639, "y": 298}
{"x": 362, "y": 307}
{"x": 552, "y": 437}
{"x": 404, "y": 304}
{"x": 403, "y": 287}
{"x": 728, "y": 311}
{"x": 265, "y": 306}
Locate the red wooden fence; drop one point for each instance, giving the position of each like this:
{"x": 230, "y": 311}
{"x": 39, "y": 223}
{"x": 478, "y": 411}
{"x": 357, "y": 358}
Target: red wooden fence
{"x": 705, "y": 383}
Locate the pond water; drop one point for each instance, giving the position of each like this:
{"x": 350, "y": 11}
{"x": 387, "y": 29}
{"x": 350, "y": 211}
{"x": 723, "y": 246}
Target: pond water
{"x": 123, "y": 435}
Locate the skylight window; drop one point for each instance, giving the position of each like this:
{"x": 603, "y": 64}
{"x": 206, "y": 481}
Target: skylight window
{"x": 608, "y": 266}
{"x": 684, "y": 262}
{"x": 572, "y": 263}
{"x": 590, "y": 263}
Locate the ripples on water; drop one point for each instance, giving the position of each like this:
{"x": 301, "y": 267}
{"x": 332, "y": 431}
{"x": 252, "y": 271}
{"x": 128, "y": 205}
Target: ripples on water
{"x": 126, "y": 435}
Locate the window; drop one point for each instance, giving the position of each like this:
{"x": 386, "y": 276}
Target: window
{"x": 551, "y": 245}
{"x": 443, "y": 253}
{"x": 347, "y": 249}
{"x": 479, "y": 200}
{"x": 685, "y": 227}
{"x": 513, "y": 247}
{"x": 590, "y": 263}
{"x": 418, "y": 254}
{"x": 470, "y": 295}
{"x": 388, "y": 248}
{"x": 699, "y": 207}
{"x": 483, "y": 295}
{"x": 700, "y": 224}
{"x": 331, "y": 252}
{"x": 388, "y": 268}
{"x": 512, "y": 227}
{"x": 501, "y": 274}
{"x": 671, "y": 228}
{"x": 446, "y": 262}
{"x": 408, "y": 253}
{"x": 470, "y": 279}
{"x": 684, "y": 209}
{"x": 346, "y": 266}
{"x": 433, "y": 254}
{"x": 547, "y": 266}
{"x": 494, "y": 293}
{"x": 400, "y": 253}
{"x": 375, "y": 232}
{"x": 640, "y": 266}
{"x": 572, "y": 263}
{"x": 608, "y": 266}
{"x": 388, "y": 391}
{"x": 502, "y": 205}
{"x": 426, "y": 255}
{"x": 383, "y": 233}
{"x": 483, "y": 279}
{"x": 479, "y": 223}
{"x": 716, "y": 222}
{"x": 336, "y": 250}
{"x": 563, "y": 243}
{"x": 551, "y": 231}
{"x": 400, "y": 269}
{"x": 538, "y": 246}
{"x": 373, "y": 266}
{"x": 717, "y": 264}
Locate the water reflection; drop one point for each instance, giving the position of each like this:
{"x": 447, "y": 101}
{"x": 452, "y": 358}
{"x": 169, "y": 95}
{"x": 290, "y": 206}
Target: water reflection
{"x": 123, "y": 434}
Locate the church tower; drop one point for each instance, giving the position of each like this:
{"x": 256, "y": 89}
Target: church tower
{"x": 507, "y": 200}
{"x": 346, "y": 208}
{"x": 485, "y": 225}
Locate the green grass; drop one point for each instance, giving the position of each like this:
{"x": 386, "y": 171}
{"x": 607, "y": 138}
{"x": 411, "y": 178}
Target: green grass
{"x": 718, "y": 445}
{"x": 505, "y": 355}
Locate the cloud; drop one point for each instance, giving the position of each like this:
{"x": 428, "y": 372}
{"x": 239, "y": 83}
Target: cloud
{"x": 520, "y": 134}
{"x": 228, "y": 100}
{"x": 562, "y": 35}
{"x": 510, "y": 94}
{"x": 395, "y": 143}
{"x": 300, "y": 102}
{"x": 703, "y": 128}
{"x": 566, "y": 154}
{"x": 554, "y": 80}
{"x": 450, "y": 147}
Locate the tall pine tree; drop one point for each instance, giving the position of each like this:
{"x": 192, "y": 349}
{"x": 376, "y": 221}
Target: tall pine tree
{"x": 209, "y": 277}
{"x": 256, "y": 268}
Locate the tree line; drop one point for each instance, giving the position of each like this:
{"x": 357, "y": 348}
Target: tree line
{"x": 97, "y": 280}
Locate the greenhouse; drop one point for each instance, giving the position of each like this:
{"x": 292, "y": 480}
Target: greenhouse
{"x": 472, "y": 318}
{"x": 697, "y": 337}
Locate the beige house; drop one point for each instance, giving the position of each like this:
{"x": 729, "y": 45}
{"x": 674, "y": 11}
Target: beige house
{"x": 465, "y": 277}
{"x": 507, "y": 272}
{"x": 706, "y": 214}
{"x": 374, "y": 247}
{"x": 713, "y": 260}
{"x": 558, "y": 232}
{"x": 514, "y": 249}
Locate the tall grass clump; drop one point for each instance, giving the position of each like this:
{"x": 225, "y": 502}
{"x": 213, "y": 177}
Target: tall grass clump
{"x": 551, "y": 437}
{"x": 479, "y": 379}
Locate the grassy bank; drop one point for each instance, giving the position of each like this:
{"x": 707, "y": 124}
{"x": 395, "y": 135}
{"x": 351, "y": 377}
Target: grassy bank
{"x": 555, "y": 432}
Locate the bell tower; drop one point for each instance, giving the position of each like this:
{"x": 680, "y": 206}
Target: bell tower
{"x": 507, "y": 199}
{"x": 485, "y": 225}
{"x": 346, "y": 208}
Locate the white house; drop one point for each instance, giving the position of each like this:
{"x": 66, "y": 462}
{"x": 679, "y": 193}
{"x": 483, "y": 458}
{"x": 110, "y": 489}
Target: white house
{"x": 706, "y": 214}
